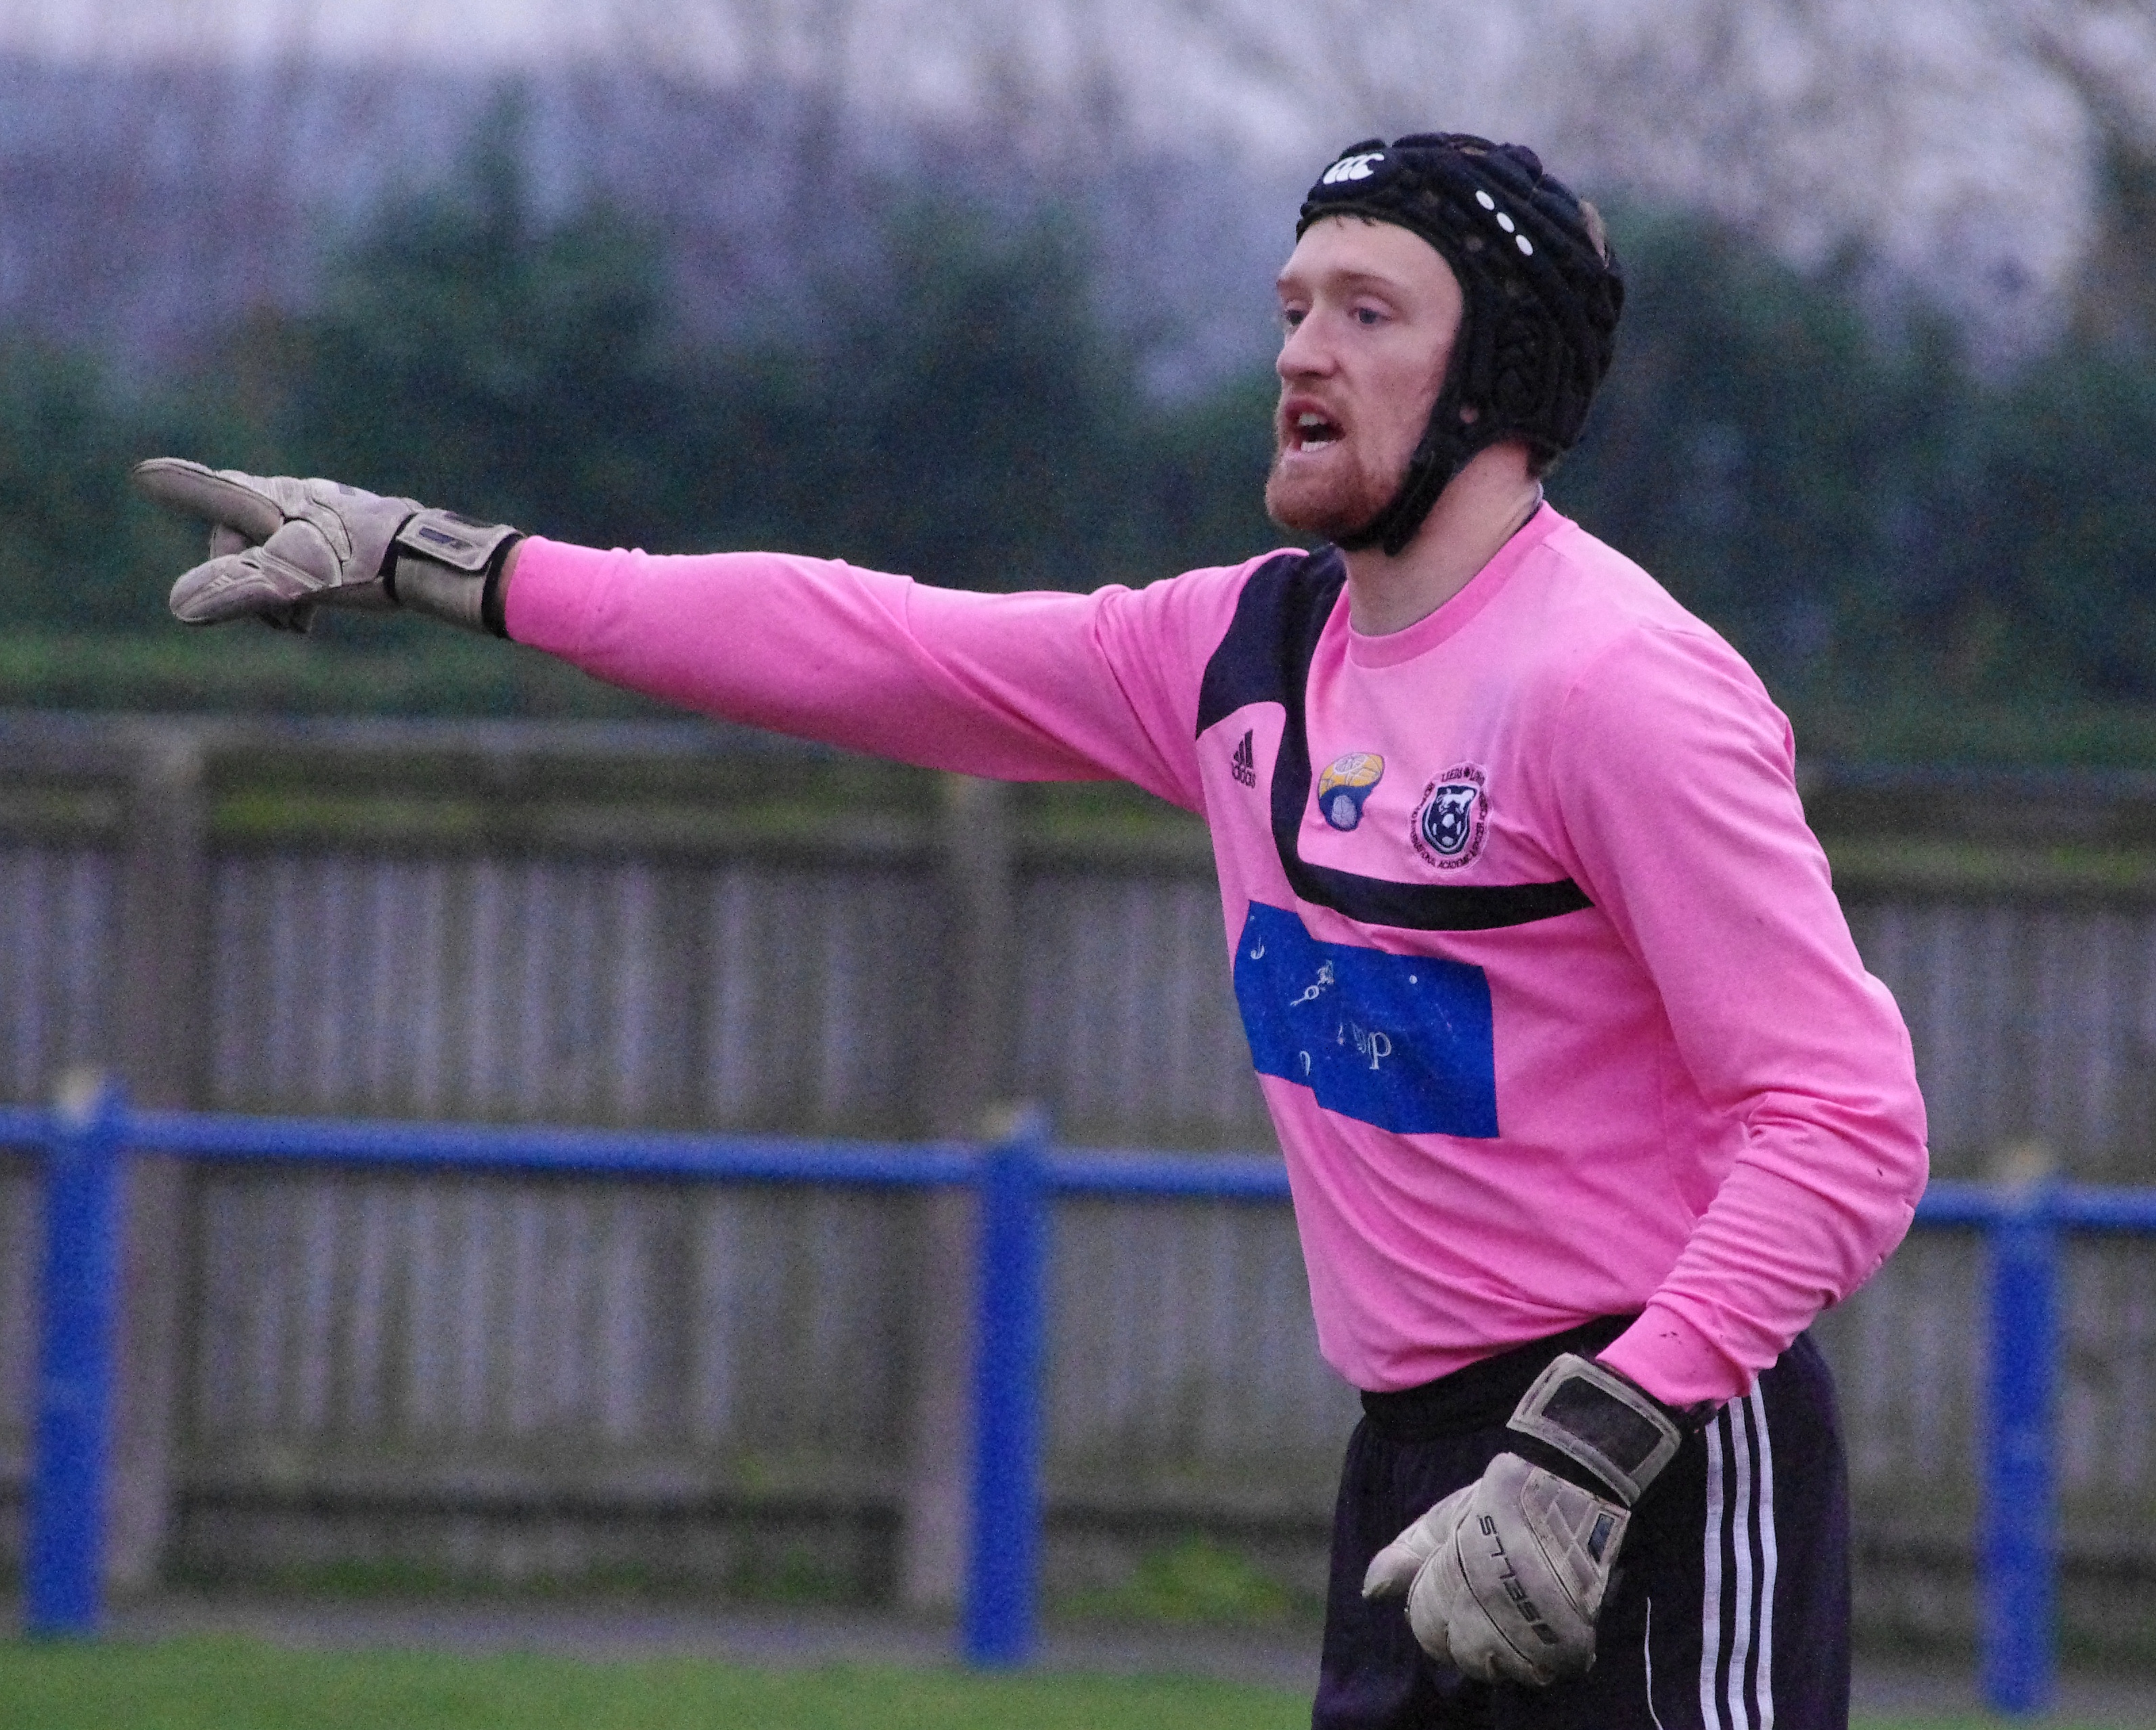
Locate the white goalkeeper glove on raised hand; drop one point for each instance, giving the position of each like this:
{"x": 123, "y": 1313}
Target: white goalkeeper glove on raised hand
{"x": 281, "y": 548}
{"x": 1505, "y": 1578}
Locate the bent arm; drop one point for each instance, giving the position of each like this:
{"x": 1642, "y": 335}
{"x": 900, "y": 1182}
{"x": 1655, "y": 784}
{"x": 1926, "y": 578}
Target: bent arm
{"x": 1677, "y": 782}
{"x": 1043, "y": 686}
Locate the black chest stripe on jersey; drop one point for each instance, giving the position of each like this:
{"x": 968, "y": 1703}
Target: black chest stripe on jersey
{"x": 1264, "y": 658}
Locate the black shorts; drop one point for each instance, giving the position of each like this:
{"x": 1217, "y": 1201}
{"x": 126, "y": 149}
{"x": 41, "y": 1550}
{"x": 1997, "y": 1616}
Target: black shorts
{"x": 1731, "y": 1609}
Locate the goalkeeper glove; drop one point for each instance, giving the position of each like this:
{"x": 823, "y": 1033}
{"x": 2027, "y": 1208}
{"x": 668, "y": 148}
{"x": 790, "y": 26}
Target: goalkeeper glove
{"x": 1505, "y": 1578}
{"x": 281, "y": 547}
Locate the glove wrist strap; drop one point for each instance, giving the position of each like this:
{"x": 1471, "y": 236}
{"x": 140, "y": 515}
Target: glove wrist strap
{"x": 1598, "y": 1421}
{"x": 449, "y": 567}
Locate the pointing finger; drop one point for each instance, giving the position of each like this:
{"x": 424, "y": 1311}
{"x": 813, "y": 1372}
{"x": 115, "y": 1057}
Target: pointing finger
{"x": 199, "y": 491}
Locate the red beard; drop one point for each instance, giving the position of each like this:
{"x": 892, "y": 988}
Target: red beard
{"x": 1331, "y": 501}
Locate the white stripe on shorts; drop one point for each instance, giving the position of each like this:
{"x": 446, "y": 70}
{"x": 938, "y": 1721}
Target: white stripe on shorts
{"x": 1740, "y": 1539}
{"x": 1710, "y": 1585}
{"x": 1743, "y": 1500}
{"x": 1766, "y": 1559}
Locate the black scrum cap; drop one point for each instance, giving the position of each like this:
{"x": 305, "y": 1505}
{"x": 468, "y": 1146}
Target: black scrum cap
{"x": 1542, "y": 292}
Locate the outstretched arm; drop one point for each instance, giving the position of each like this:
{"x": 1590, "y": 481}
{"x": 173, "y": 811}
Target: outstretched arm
{"x": 1040, "y": 686}
{"x": 1037, "y": 686}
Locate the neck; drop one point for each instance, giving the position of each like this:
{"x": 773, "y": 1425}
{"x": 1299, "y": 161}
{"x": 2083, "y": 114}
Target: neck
{"x": 1481, "y": 508}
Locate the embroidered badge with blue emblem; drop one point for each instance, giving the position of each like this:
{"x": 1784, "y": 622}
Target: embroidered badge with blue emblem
{"x": 1452, "y": 817}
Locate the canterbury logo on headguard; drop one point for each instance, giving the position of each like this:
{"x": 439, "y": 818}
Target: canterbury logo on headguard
{"x": 1354, "y": 168}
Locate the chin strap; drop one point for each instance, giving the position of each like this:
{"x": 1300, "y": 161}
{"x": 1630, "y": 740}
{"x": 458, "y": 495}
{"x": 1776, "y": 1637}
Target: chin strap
{"x": 1360, "y": 539}
{"x": 1443, "y": 453}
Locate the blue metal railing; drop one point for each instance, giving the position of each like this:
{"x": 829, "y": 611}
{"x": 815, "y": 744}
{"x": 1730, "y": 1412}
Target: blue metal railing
{"x": 86, "y": 1138}
{"x": 2025, "y": 1225}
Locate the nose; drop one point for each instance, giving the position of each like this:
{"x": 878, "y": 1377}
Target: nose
{"x": 1303, "y": 353}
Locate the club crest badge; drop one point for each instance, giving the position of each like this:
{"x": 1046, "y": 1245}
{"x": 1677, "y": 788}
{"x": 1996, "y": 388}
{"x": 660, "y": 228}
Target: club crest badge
{"x": 1346, "y": 783}
{"x": 1453, "y": 817}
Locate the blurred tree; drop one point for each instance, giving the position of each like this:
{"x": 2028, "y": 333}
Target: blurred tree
{"x": 2105, "y": 54}
{"x": 1208, "y": 459}
{"x": 950, "y": 404}
{"x": 2044, "y": 519}
{"x": 958, "y": 413}
{"x": 2116, "y": 303}
{"x": 472, "y": 352}
{"x": 1861, "y": 508}
{"x": 2045, "y": 572}
{"x": 77, "y": 552}
{"x": 1759, "y": 447}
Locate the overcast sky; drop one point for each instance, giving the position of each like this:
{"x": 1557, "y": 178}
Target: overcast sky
{"x": 488, "y": 32}
{"x": 1938, "y": 137}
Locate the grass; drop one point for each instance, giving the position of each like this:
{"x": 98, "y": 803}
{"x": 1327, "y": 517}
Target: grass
{"x": 391, "y": 669}
{"x": 202, "y": 1684}
{"x": 1196, "y": 1581}
{"x": 232, "y": 1685}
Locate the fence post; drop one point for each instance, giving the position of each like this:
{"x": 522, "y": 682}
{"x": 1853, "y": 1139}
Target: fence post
{"x": 1004, "y": 1576}
{"x": 162, "y": 1024}
{"x": 967, "y": 1068}
{"x": 2018, "y": 1556}
{"x": 64, "y": 1571}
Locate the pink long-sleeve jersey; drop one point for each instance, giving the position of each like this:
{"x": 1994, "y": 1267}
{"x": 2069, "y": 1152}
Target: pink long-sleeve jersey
{"x": 1546, "y": 984}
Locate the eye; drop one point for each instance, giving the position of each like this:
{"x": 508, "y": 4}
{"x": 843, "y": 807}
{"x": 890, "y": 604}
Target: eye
{"x": 1291, "y": 316}
{"x": 1369, "y": 317}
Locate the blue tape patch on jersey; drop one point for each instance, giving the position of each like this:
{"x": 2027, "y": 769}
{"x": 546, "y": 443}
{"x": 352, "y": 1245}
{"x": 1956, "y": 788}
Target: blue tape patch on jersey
{"x": 1401, "y": 1041}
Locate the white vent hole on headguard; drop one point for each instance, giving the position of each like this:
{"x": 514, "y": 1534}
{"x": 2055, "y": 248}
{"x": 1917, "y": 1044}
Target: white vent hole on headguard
{"x": 1504, "y": 222}
{"x": 1525, "y": 244}
{"x": 1486, "y": 201}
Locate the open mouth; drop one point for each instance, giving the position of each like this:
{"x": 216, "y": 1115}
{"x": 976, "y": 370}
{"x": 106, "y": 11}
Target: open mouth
{"x": 1310, "y": 429}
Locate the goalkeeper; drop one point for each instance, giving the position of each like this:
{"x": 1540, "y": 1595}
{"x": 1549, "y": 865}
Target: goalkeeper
{"x": 1587, "y": 1103}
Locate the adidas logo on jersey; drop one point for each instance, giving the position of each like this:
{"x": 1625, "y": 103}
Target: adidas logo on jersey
{"x": 1244, "y": 766}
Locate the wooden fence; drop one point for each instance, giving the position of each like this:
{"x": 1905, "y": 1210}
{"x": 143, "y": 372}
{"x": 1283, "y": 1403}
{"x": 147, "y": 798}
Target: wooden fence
{"x": 681, "y": 926}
